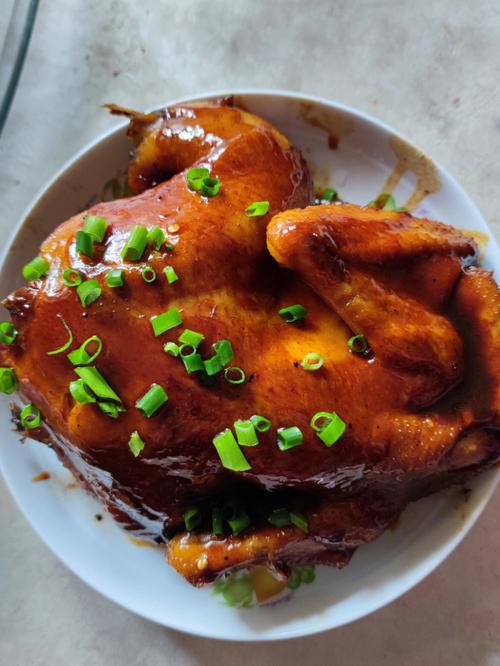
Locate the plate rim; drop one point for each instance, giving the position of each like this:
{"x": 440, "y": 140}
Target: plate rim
{"x": 431, "y": 562}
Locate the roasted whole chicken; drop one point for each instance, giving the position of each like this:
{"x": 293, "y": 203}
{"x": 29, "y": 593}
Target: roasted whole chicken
{"x": 253, "y": 378}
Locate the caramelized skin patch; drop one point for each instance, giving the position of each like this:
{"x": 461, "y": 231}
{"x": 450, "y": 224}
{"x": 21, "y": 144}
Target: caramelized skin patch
{"x": 415, "y": 418}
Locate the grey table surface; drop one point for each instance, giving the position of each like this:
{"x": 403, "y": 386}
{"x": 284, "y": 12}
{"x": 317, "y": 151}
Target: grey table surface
{"x": 430, "y": 71}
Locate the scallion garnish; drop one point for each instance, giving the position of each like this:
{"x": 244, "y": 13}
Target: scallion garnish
{"x": 229, "y": 452}
{"x": 245, "y": 433}
{"x": 191, "y": 359}
{"x": 66, "y": 345}
{"x": 148, "y": 274}
{"x": 217, "y": 523}
{"x": 171, "y": 348}
{"x": 293, "y": 313}
{"x": 260, "y": 423}
{"x": 312, "y": 361}
{"x": 299, "y": 520}
{"x": 85, "y": 243}
{"x": 192, "y": 518}
{"x": 96, "y": 383}
{"x": 329, "y": 194}
{"x": 8, "y": 332}
{"x": 111, "y": 409}
{"x": 152, "y": 400}
{"x": 35, "y": 269}
{"x": 212, "y": 365}
{"x": 80, "y": 392}
{"x": 170, "y": 248}
{"x": 234, "y": 375}
{"x": 8, "y": 381}
{"x": 156, "y": 236}
{"x": 81, "y": 356}
{"x": 328, "y": 426}
{"x": 384, "y": 201}
{"x": 170, "y": 274}
{"x": 358, "y": 344}
{"x": 135, "y": 443}
{"x": 235, "y": 516}
{"x": 290, "y": 437}
{"x": 280, "y": 518}
{"x": 166, "y": 321}
{"x": 210, "y": 187}
{"x": 136, "y": 244}
{"x": 257, "y": 209}
{"x": 72, "y": 278}
{"x": 95, "y": 226}
{"x": 195, "y": 177}
{"x": 30, "y": 416}
{"x": 88, "y": 292}
{"x": 115, "y": 278}
{"x": 189, "y": 337}
{"x": 224, "y": 351}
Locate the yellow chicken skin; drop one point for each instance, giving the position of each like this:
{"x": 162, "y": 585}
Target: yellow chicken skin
{"x": 421, "y": 405}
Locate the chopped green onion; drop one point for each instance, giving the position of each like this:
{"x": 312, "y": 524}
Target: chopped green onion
{"x": 312, "y": 361}
{"x": 152, "y": 400}
{"x": 8, "y": 381}
{"x": 210, "y": 187}
{"x": 293, "y": 313}
{"x": 72, "y": 278}
{"x": 170, "y": 274}
{"x": 212, "y": 365}
{"x": 308, "y": 575}
{"x": 115, "y": 278}
{"x": 195, "y": 177}
{"x": 229, "y": 452}
{"x": 299, "y": 520}
{"x": 95, "y": 226}
{"x": 192, "y": 360}
{"x": 288, "y": 438}
{"x": 135, "y": 443}
{"x": 81, "y": 392}
{"x": 66, "y": 345}
{"x": 192, "y": 338}
{"x": 295, "y": 579}
{"x": 88, "y": 292}
{"x": 234, "y": 375}
{"x": 30, "y": 417}
{"x": 261, "y": 424}
{"x": 148, "y": 274}
{"x": 358, "y": 344}
{"x": 8, "y": 332}
{"x": 136, "y": 244}
{"x": 257, "y": 209}
{"x": 81, "y": 356}
{"x": 35, "y": 269}
{"x": 235, "y": 516}
{"x": 85, "y": 243}
{"x": 384, "y": 201}
{"x": 171, "y": 348}
{"x": 166, "y": 321}
{"x": 170, "y": 248}
{"x": 96, "y": 383}
{"x": 156, "y": 236}
{"x": 280, "y": 518}
{"x": 245, "y": 433}
{"x": 239, "y": 523}
{"x": 329, "y": 194}
{"x": 328, "y": 426}
{"x": 224, "y": 351}
{"x": 192, "y": 518}
{"x": 217, "y": 523}
{"x": 111, "y": 409}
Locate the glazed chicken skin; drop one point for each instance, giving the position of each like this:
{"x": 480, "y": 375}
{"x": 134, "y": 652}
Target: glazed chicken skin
{"x": 421, "y": 406}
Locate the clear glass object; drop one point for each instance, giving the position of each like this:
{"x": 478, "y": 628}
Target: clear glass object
{"x": 16, "y": 23}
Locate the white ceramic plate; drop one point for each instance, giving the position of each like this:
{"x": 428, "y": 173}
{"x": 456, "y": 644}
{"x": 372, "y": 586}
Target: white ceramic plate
{"x": 138, "y": 578}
